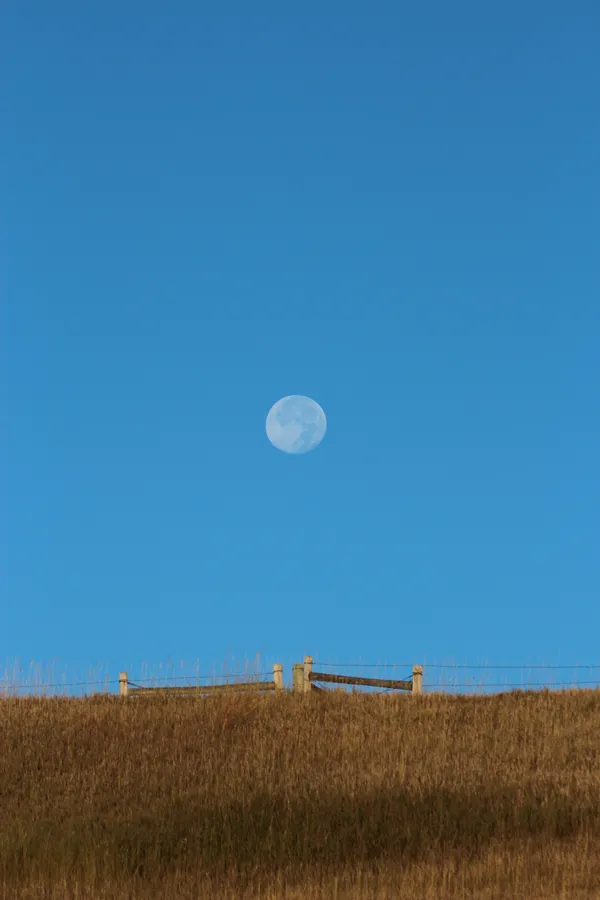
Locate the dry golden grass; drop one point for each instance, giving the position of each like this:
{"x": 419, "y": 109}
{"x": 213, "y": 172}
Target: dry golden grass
{"x": 332, "y": 795}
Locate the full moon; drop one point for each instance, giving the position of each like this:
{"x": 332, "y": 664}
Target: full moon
{"x": 296, "y": 424}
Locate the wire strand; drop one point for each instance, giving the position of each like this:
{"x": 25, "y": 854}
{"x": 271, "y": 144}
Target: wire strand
{"x": 454, "y": 666}
{"x": 511, "y": 684}
{"x": 198, "y": 677}
{"x": 445, "y": 666}
{"x": 363, "y": 665}
{"x": 60, "y": 684}
{"x": 201, "y": 686}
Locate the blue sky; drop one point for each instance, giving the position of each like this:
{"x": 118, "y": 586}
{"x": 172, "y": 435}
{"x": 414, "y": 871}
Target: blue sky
{"x": 393, "y": 209}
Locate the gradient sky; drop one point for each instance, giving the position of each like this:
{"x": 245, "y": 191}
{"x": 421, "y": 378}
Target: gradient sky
{"x": 392, "y": 208}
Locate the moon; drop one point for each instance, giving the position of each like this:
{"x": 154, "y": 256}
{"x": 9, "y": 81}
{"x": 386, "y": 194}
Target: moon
{"x": 296, "y": 424}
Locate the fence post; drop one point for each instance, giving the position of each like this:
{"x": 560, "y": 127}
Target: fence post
{"x": 307, "y": 671}
{"x": 278, "y": 676}
{"x": 122, "y": 684}
{"x": 298, "y": 678}
{"x": 417, "y": 680}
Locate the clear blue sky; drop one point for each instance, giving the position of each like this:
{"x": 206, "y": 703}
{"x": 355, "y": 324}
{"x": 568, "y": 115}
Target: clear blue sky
{"x": 392, "y": 208}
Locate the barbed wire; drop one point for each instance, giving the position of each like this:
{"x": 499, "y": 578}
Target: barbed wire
{"x": 363, "y": 665}
{"x": 199, "y": 677}
{"x": 426, "y": 688}
{"x": 456, "y": 666}
{"x": 110, "y": 681}
{"x": 533, "y": 684}
{"x": 510, "y": 684}
{"x": 407, "y": 677}
{"x": 106, "y": 681}
{"x": 19, "y": 687}
{"x": 233, "y": 683}
{"x": 447, "y": 666}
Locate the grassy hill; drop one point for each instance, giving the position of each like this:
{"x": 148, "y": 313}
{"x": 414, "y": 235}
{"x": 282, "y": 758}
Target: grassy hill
{"x": 288, "y": 796}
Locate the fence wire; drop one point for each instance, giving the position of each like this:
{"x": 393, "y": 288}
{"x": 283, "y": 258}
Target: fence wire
{"x": 63, "y": 684}
{"x": 232, "y": 683}
{"x": 202, "y": 677}
{"x": 521, "y": 686}
{"x": 445, "y": 666}
{"x": 363, "y": 665}
{"x": 489, "y": 666}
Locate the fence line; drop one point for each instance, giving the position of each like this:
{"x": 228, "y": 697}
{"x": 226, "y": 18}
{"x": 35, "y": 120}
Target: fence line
{"x": 367, "y": 682}
{"x": 305, "y": 678}
{"x": 454, "y": 666}
{"x": 514, "y": 684}
{"x": 19, "y": 687}
{"x": 446, "y": 666}
{"x": 364, "y": 665}
{"x": 197, "y": 677}
{"x": 199, "y": 690}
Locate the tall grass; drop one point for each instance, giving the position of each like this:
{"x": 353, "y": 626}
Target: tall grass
{"x": 333, "y": 794}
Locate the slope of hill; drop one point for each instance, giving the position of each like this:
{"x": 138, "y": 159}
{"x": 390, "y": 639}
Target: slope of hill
{"x": 288, "y": 796}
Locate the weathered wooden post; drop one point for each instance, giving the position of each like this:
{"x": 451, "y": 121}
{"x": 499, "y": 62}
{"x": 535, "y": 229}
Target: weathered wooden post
{"x": 278, "y": 676}
{"x": 417, "y": 680}
{"x": 307, "y": 670}
{"x": 298, "y": 678}
{"x": 122, "y": 684}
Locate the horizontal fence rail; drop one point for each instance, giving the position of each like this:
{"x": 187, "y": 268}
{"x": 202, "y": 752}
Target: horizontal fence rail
{"x": 367, "y": 682}
{"x": 130, "y": 689}
{"x": 304, "y": 678}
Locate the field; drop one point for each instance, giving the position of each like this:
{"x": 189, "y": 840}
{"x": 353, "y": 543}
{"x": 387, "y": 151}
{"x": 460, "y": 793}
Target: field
{"x": 329, "y": 795}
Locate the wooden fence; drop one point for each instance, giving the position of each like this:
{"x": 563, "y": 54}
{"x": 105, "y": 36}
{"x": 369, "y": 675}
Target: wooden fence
{"x": 304, "y": 678}
{"x": 128, "y": 690}
{"x": 303, "y": 682}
